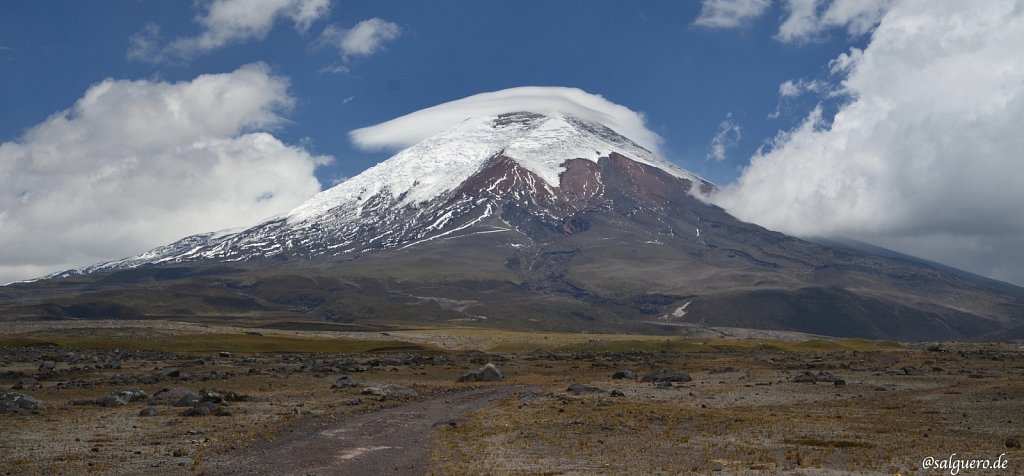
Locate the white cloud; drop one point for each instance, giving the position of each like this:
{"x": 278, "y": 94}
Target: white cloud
{"x": 225, "y": 22}
{"x": 729, "y": 13}
{"x": 412, "y": 128}
{"x": 807, "y": 20}
{"x": 136, "y": 164}
{"x": 368, "y": 37}
{"x": 727, "y": 137}
{"x": 791, "y": 89}
{"x": 799, "y": 87}
{"x": 926, "y": 155}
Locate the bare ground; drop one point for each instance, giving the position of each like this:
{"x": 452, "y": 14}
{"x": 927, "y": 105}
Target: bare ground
{"x": 388, "y": 441}
{"x": 746, "y": 410}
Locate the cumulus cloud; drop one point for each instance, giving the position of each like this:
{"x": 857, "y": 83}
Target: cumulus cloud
{"x": 368, "y": 37}
{"x": 727, "y": 137}
{"x": 412, "y": 128}
{"x": 926, "y": 154}
{"x": 136, "y": 164}
{"x": 807, "y": 20}
{"x": 729, "y": 13}
{"x": 225, "y": 22}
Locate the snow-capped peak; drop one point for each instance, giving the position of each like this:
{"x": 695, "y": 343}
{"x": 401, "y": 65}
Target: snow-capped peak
{"x": 412, "y": 197}
{"x": 540, "y": 143}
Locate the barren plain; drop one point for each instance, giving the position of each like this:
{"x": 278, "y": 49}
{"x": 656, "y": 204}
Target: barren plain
{"x": 159, "y": 397}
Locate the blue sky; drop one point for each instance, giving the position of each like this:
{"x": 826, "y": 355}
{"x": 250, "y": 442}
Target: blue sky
{"x": 648, "y": 57}
{"x": 126, "y": 124}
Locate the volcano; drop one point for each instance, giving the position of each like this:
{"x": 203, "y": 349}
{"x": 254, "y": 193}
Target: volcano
{"x": 535, "y": 222}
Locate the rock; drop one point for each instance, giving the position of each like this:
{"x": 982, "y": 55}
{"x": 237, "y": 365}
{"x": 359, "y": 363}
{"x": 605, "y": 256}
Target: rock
{"x": 1012, "y": 443}
{"x": 178, "y": 453}
{"x": 111, "y": 401}
{"x": 113, "y": 364}
{"x": 617, "y": 393}
{"x": 579, "y": 388}
{"x": 47, "y": 366}
{"x": 224, "y": 355}
{"x": 811, "y": 377}
{"x": 20, "y": 400}
{"x": 909, "y": 370}
{"x": 131, "y": 394}
{"x": 344, "y": 381}
{"x": 390, "y": 390}
{"x": 487, "y": 373}
{"x": 219, "y": 395}
{"x": 623, "y": 374}
{"x": 149, "y": 412}
{"x": 454, "y": 422}
{"x": 206, "y": 409}
{"x": 173, "y": 395}
{"x": 26, "y": 384}
{"x": 7, "y": 408}
{"x": 806, "y": 377}
{"x": 667, "y": 376}
{"x": 167, "y": 373}
{"x": 827, "y": 377}
{"x": 663, "y": 384}
{"x": 186, "y": 400}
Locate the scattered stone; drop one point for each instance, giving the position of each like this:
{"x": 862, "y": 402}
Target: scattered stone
{"x": 167, "y": 373}
{"x": 344, "y": 381}
{"x": 219, "y": 395}
{"x": 839, "y": 382}
{"x": 623, "y": 374}
{"x": 663, "y": 384}
{"x": 186, "y": 401}
{"x": 580, "y": 388}
{"x": 909, "y": 370}
{"x": 667, "y": 376}
{"x": 224, "y": 355}
{"x": 111, "y": 401}
{"x": 132, "y": 394}
{"x": 617, "y": 393}
{"x": 806, "y": 377}
{"x": 26, "y": 384}
{"x": 18, "y": 401}
{"x": 487, "y": 373}
{"x": 7, "y": 408}
{"x": 206, "y": 409}
{"x": 390, "y": 390}
{"x": 454, "y": 422}
{"x": 47, "y": 366}
{"x": 1012, "y": 443}
{"x": 178, "y": 453}
{"x": 811, "y": 377}
{"x": 149, "y": 412}
{"x": 175, "y": 396}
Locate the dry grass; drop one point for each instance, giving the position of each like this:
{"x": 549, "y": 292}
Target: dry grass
{"x": 741, "y": 412}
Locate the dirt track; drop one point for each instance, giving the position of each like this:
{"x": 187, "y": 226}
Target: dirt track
{"x": 390, "y": 441}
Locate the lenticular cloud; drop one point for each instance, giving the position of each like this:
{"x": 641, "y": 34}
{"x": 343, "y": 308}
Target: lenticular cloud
{"x": 414, "y": 127}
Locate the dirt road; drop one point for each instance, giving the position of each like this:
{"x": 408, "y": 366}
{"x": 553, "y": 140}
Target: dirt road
{"x": 390, "y": 441}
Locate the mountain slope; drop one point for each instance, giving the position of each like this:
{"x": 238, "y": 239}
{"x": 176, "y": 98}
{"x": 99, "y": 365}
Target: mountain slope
{"x": 533, "y": 221}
